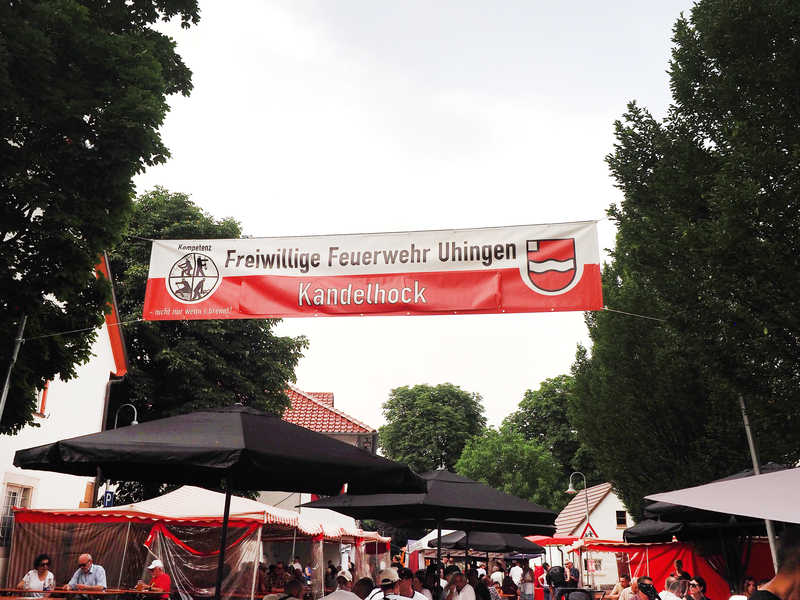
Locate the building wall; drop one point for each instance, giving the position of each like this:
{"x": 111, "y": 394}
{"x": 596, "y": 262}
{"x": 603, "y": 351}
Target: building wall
{"x": 72, "y": 408}
{"x": 603, "y": 519}
{"x": 604, "y": 522}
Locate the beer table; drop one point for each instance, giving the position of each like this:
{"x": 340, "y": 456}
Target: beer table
{"x": 10, "y": 593}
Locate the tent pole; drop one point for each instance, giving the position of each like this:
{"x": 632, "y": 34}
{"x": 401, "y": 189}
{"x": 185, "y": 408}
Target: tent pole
{"x": 773, "y": 547}
{"x": 124, "y": 552}
{"x": 466, "y": 552}
{"x": 254, "y": 581}
{"x": 224, "y": 537}
{"x": 294, "y": 543}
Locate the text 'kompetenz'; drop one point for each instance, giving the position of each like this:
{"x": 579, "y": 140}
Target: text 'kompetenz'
{"x": 373, "y": 294}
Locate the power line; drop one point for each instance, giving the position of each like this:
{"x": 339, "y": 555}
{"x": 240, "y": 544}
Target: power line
{"x": 120, "y": 324}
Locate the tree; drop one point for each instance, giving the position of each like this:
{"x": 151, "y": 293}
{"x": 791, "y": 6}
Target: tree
{"x": 184, "y": 366}
{"x": 508, "y": 462}
{"x": 543, "y": 417}
{"x": 84, "y": 92}
{"x": 427, "y": 427}
{"x": 707, "y": 241}
{"x": 642, "y": 408}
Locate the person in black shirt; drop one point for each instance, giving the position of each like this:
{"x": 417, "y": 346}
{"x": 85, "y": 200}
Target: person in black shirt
{"x": 481, "y": 591}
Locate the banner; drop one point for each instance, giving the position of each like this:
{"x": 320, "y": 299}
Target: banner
{"x": 506, "y": 269}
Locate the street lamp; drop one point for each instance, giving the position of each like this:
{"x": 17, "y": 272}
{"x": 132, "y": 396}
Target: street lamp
{"x": 135, "y": 415}
{"x": 571, "y": 490}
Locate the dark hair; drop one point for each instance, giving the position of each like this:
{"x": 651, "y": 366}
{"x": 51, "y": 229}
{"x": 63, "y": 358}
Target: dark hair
{"x": 789, "y": 551}
{"x": 700, "y": 582}
{"x": 545, "y": 565}
{"x": 292, "y": 587}
{"x": 470, "y": 572}
{"x": 37, "y": 561}
{"x": 363, "y": 587}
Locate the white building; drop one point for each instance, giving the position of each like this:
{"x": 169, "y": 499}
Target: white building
{"x": 65, "y": 409}
{"x": 607, "y": 519}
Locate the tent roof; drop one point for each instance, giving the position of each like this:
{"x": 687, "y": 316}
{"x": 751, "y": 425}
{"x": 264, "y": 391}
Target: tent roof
{"x": 190, "y": 504}
{"x": 767, "y": 496}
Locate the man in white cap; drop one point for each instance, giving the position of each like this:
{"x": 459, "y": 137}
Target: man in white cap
{"x": 388, "y": 586}
{"x": 159, "y": 581}
{"x": 344, "y": 582}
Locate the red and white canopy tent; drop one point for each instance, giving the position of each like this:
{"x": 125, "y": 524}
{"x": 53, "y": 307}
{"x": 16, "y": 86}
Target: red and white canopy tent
{"x": 181, "y": 529}
{"x": 656, "y": 560}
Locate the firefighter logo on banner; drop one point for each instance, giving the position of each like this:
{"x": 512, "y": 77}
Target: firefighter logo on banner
{"x": 551, "y": 264}
{"x": 193, "y": 278}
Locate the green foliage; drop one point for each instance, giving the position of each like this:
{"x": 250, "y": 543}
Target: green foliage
{"x": 427, "y": 427}
{"x": 543, "y": 417}
{"x": 185, "y": 366}
{"x": 644, "y": 411}
{"x": 129, "y": 492}
{"x": 179, "y": 367}
{"x": 84, "y": 88}
{"x": 708, "y": 240}
{"x": 508, "y": 462}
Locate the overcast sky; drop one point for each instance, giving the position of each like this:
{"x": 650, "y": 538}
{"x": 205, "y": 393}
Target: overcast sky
{"x": 363, "y": 116}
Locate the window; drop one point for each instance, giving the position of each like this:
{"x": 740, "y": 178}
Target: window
{"x": 622, "y": 518}
{"x": 15, "y": 496}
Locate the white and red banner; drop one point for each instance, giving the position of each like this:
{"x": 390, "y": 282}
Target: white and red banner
{"x": 528, "y": 268}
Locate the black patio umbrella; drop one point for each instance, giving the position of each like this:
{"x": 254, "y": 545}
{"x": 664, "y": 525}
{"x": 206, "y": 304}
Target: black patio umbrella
{"x": 487, "y": 541}
{"x": 247, "y": 448}
{"x": 451, "y": 501}
{"x": 470, "y": 525}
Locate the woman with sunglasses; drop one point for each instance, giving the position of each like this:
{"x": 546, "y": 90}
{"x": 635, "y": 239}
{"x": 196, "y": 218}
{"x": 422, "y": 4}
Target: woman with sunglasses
{"x": 39, "y": 579}
{"x": 697, "y": 588}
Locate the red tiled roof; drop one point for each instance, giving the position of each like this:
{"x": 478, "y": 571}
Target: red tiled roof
{"x": 324, "y": 397}
{"x": 312, "y": 412}
{"x": 574, "y": 513}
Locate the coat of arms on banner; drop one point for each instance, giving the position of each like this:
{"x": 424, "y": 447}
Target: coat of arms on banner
{"x": 551, "y": 264}
{"x": 193, "y": 278}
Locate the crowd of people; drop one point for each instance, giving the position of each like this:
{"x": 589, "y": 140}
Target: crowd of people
{"x": 439, "y": 582}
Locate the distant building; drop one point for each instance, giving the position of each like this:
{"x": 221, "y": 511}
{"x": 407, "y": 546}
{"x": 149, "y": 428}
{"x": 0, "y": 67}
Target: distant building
{"x": 607, "y": 520}
{"x": 315, "y": 411}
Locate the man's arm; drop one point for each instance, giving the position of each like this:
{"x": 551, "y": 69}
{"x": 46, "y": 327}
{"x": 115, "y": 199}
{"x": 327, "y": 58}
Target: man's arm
{"x": 73, "y": 583}
{"x": 165, "y": 584}
{"x": 99, "y": 585}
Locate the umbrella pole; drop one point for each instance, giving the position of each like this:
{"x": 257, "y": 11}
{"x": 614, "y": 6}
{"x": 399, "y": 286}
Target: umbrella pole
{"x": 466, "y": 552}
{"x": 773, "y": 545}
{"x": 439, "y": 551}
{"x": 225, "y": 518}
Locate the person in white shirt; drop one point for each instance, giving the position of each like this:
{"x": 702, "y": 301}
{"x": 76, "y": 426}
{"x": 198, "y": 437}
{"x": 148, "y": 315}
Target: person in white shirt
{"x": 516, "y": 573}
{"x": 459, "y": 589}
{"x": 406, "y": 585}
{"x": 497, "y": 574}
{"x": 389, "y": 586}
{"x": 671, "y": 587}
{"x": 344, "y": 581}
